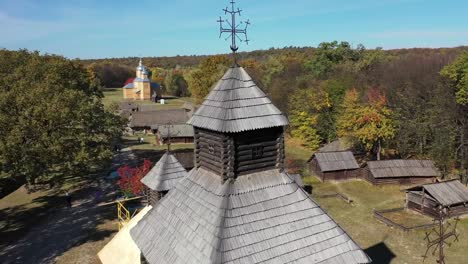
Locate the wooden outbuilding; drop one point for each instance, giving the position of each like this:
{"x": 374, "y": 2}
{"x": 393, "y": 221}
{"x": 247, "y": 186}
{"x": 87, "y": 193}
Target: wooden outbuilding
{"x": 405, "y": 172}
{"x": 339, "y": 165}
{"x": 163, "y": 177}
{"x": 428, "y": 199}
{"x": 180, "y": 133}
{"x": 238, "y": 205}
{"x": 149, "y": 121}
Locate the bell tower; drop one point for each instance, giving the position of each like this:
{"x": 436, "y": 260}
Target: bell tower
{"x": 237, "y": 129}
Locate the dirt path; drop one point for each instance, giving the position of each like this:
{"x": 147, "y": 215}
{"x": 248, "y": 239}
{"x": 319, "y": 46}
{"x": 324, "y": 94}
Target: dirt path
{"x": 66, "y": 228}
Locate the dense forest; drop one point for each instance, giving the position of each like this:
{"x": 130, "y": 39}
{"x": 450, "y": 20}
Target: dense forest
{"x": 407, "y": 103}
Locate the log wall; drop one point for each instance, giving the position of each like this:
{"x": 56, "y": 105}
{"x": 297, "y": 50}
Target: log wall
{"x": 231, "y": 155}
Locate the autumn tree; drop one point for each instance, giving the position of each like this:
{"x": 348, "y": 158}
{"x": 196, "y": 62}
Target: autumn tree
{"x": 370, "y": 123}
{"x": 306, "y": 105}
{"x": 210, "y": 70}
{"x": 52, "y": 120}
{"x": 130, "y": 178}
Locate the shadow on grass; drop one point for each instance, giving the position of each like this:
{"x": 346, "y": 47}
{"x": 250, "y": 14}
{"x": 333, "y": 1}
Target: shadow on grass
{"x": 40, "y": 234}
{"x": 380, "y": 253}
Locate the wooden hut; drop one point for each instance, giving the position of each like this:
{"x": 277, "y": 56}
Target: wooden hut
{"x": 428, "y": 199}
{"x": 238, "y": 205}
{"x": 181, "y": 133}
{"x": 163, "y": 177}
{"x": 405, "y": 172}
{"x": 149, "y": 121}
{"x": 340, "y": 165}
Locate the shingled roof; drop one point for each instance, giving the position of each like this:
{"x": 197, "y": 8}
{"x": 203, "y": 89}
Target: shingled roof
{"x": 402, "y": 168}
{"x": 236, "y": 104}
{"x": 160, "y": 117}
{"x": 260, "y": 217}
{"x": 176, "y": 131}
{"x": 165, "y": 174}
{"x": 336, "y": 161}
{"x": 445, "y": 193}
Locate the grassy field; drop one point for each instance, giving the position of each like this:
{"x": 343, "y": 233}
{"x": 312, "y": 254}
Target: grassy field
{"x": 380, "y": 240}
{"x": 115, "y": 95}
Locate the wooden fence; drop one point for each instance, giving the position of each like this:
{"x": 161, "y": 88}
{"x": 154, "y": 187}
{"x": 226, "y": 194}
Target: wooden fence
{"x": 379, "y": 215}
{"x": 337, "y": 194}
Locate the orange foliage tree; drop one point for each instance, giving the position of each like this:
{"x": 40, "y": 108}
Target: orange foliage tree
{"x": 370, "y": 123}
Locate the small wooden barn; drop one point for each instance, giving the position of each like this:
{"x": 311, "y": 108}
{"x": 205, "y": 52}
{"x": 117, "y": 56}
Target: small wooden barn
{"x": 430, "y": 198}
{"x": 405, "y": 172}
{"x": 339, "y": 165}
{"x": 149, "y": 121}
{"x": 180, "y": 133}
{"x": 163, "y": 177}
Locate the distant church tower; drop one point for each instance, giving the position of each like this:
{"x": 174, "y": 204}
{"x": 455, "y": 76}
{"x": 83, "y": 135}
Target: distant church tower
{"x": 141, "y": 88}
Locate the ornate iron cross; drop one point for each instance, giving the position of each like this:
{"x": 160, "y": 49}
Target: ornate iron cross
{"x": 234, "y": 29}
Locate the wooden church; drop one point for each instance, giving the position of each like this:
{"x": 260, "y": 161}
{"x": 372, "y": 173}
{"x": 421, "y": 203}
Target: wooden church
{"x": 163, "y": 177}
{"x": 238, "y": 205}
{"x": 141, "y": 87}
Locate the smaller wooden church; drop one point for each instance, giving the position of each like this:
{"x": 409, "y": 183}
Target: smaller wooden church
{"x": 428, "y": 199}
{"x": 337, "y": 165}
{"x": 141, "y": 87}
{"x": 163, "y": 177}
{"x": 398, "y": 171}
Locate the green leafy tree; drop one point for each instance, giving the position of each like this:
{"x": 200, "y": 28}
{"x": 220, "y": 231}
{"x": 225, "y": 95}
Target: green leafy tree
{"x": 201, "y": 80}
{"x": 330, "y": 54}
{"x": 369, "y": 123}
{"x": 457, "y": 72}
{"x": 52, "y": 121}
{"x": 306, "y": 105}
{"x": 176, "y": 84}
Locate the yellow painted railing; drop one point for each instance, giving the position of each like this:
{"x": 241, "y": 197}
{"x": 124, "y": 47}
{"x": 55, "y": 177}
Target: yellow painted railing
{"x": 123, "y": 214}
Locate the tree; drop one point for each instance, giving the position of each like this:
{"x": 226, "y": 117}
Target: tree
{"x": 457, "y": 73}
{"x": 52, "y": 121}
{"x": 306, "y": 105}
{"x": 330, "y": 54}
{"x": 130, "y": 178}
{"x": 201, "y": 80}
{"x": 176, "y": 84}
{"x": 369, "y": 123}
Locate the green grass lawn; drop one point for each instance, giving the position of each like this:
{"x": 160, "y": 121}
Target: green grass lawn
{"x": 358, "y": 221}
{"x": 115, "y": 95}
{"x": 150, "y": 143}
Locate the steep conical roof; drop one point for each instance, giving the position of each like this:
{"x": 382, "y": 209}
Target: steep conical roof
{"x": 165, "y": 174}
{"x": 237, "y": 104}
{"x": 256, "y": 218}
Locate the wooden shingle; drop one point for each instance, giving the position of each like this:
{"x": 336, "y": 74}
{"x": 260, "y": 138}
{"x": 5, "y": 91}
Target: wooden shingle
{"x": 165, "y": 174}
{"x": 236, "y": 104}
{"x": 259, "y": 217}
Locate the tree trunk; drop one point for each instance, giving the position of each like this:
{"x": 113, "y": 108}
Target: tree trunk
{"x": 379, "y": 149}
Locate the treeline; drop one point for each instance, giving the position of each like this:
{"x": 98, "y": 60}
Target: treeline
{"x": 404, "y": 103}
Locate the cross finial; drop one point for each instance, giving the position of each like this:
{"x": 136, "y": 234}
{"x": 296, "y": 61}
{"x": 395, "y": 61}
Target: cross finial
{"x": 140, "y": 63}
{"x": 233, "y": 29}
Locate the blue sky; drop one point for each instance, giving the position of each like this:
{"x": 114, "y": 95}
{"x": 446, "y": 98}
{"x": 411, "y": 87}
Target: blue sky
{"x": 101, "y": 28}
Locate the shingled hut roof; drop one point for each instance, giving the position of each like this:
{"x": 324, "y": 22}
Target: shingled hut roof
{"x": 259, "y": 217}
{"x": 237, "y": 104}
{"x": 165, "y": 174}
{"x": 402, "y": 168}
{"x": 336, "y": 161}
{"x": 159, "y": 117}
{"x": 445, "y": 193}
